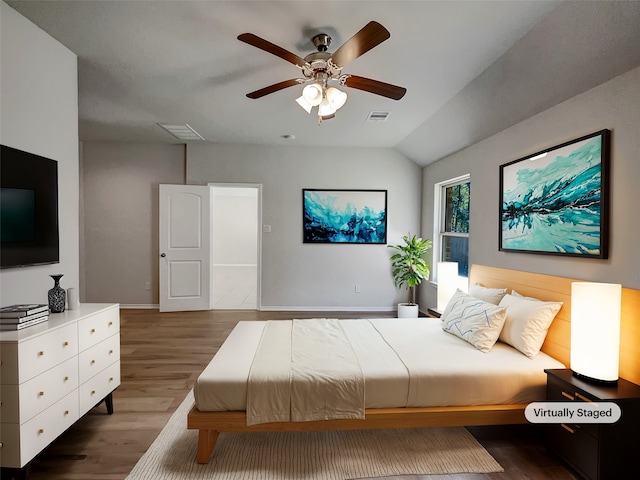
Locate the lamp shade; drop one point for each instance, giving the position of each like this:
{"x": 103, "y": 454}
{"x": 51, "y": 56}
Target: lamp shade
{"x": 312, "y": 94}
{"x": 336, "y": 97}
{"x": 595, "y": 330}
{"x": 303, "y": 103}
{"x": 447, "y": 282}
{"x": 325, "y": 109}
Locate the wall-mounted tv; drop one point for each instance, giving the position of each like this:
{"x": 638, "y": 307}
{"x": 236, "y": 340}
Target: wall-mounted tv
{"x": 28, "y": 209}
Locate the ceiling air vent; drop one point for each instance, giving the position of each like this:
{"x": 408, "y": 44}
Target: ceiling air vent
{"x": 182, "y": 132}
{"x": 378, "y": 116}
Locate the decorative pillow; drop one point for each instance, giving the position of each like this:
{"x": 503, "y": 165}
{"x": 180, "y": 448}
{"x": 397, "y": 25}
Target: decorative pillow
{"x": 486, "y": 294}
{"x": 473, "y": 320}
{"x": 528, "y": 320}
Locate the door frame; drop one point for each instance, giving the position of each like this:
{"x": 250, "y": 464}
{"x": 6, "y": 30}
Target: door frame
{"x": 257, "y": 186}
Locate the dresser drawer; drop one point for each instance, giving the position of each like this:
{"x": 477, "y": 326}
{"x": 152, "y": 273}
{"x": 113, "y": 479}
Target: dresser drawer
{"x": 98, "y": 387}
{"x": 19, "y": 403}
{"x": 96, "y": 328}
{"x": 560, "y": 392}
{"x": 20, "y": 443}
{"x": 576, "y": 446}
{"x": 95, "y": 359}
{"x": 23, "y": 361}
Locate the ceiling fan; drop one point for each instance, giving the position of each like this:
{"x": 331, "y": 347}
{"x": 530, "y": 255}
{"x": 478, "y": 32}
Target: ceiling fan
{"x": 321, "y": 67}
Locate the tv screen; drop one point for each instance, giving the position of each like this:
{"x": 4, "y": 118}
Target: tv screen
{"x": 28, "y": 209}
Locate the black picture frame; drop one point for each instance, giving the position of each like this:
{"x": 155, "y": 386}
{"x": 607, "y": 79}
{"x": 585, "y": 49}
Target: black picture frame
{"x": 556, "y": 201}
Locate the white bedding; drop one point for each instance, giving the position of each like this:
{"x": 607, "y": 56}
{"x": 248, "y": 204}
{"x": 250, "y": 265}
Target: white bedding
{"x": 295, "y": 377}
{"x": 405, "y": 363}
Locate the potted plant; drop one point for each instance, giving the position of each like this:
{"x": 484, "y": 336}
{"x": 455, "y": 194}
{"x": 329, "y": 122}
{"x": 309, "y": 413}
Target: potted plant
{"x": 408, "y": 268}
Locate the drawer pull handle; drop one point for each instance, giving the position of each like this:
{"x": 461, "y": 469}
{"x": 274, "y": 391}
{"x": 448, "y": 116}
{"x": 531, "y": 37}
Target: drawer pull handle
{"x": 66, "y": 379}
{"x": 568, "y": 429}
{"x": 66, "y": 412}
{"x": 110, "y": 323}
{"x": 65, "y": 344}
{"x": 568, "y": 395}
{"x": 583, "y": 398}
{"x": 111, "y": 379}
{"x": 93, "y": 392}
{"x": 93, "y": 330}
{"x": 41, "y": 431}
{"x": 93, "y": 362}
{"x": 41, "y": 394}
{"x": 110, "y": 352}
{"x": 0, "y": 444}
{"x": 41, "y": 353}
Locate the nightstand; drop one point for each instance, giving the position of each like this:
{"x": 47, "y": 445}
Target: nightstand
{"x": 597, "y": 451}
{"x": 432, "y": 312}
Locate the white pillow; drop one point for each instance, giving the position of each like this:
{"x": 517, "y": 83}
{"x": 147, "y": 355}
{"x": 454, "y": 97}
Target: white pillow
{"x": 528, "y": 320}
{"x": 489, "y": 295}
{"x": 473, "y": 320}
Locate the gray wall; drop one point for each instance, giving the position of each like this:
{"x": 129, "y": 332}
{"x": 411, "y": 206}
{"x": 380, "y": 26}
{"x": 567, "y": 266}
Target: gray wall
{"x": 305, "y": 276}
{"x": 614, "y": 105}
{"x": 39, "y": 114}
{"x": 120, "y": 211}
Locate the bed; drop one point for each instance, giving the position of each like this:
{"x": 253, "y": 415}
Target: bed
{"x": 386, "y": 386}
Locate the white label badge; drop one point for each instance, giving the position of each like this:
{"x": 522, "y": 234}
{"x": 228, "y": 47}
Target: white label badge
{"x": 572, "y": 412}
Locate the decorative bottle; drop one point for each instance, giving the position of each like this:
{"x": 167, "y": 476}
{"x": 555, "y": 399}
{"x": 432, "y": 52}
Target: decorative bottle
{"x": 57, "y": 295}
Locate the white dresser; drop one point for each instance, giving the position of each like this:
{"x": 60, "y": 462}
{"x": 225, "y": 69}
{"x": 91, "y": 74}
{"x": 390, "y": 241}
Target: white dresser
{"x": 53, "y": 373}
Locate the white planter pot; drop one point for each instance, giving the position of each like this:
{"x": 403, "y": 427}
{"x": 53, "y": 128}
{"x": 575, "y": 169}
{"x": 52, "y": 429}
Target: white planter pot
{"x": 407, "y": 310}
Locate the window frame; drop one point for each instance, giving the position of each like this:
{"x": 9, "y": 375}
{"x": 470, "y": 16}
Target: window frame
{"x": 439, "y": 217}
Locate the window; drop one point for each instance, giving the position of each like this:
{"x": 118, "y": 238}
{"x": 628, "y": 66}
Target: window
{"x": 452, "y": 222}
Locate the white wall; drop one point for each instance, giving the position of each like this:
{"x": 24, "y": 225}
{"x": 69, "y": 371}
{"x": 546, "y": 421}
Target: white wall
{"x": 235, "y": 225}
{"x": 614, "y": 105}
{"x": 39, "y": 114}
{"x": 314, "y": 276}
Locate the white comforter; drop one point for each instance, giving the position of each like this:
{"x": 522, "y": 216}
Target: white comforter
{"x": 404, "y": 362}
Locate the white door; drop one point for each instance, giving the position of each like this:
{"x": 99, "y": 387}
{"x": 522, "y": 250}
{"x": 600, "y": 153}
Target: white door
{"x": 185, "y": 248}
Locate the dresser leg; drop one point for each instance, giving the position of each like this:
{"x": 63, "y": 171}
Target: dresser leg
{"x": 16, "y": 473}
{"x": 108, "y": 400}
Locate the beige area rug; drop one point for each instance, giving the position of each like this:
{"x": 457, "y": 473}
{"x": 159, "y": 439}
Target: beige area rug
{"x": 311, "y": 455}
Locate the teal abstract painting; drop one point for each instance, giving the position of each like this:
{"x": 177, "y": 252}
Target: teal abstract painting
{"x": 344, "y": 216}
{"x": 556, "y": 201}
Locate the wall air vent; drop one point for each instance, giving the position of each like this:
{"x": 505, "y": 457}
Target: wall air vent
{"x": 378, "y": 116}
{"x": 182, "y": 132}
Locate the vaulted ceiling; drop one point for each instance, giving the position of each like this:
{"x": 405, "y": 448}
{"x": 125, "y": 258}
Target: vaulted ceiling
{"x": 471, "y": 68}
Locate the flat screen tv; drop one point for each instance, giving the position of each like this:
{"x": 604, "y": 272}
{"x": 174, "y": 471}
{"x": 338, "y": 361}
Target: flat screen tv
{"x": 28, "y": 209}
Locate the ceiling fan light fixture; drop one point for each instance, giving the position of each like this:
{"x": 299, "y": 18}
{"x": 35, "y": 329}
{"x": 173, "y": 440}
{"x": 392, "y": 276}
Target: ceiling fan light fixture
{"x": 304, "y": 104}
{"x": 313, "y": 94}
{"x": 325, "y": 108}
{"x": 336, "y": 98}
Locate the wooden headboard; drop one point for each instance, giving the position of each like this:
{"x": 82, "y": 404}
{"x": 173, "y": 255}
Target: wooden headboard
{"x": 558, "y": 341}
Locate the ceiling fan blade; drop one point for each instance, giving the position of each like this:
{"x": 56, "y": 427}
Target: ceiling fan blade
{"x": 271, "y": 48}
{"x": 371, "y": 35}
{"x": 374, "y": 86}
{"x": 273, "y": 88}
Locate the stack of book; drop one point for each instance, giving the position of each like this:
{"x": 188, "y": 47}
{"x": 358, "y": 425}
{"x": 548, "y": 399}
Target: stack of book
{"x": 17, "y": 317}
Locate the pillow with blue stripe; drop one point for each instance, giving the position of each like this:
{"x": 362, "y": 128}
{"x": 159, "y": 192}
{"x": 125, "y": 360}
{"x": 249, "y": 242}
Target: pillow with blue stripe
{"x": 473, "y": 320}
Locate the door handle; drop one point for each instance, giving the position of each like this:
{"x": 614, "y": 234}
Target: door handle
{"x": 163, "y": 255}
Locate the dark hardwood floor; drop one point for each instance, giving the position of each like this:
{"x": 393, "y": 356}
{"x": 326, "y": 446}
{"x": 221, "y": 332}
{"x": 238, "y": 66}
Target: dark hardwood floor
{"x": 162, "y": 356}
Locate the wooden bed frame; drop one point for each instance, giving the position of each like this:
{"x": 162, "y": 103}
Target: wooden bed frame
{"x": 557, "y": 345}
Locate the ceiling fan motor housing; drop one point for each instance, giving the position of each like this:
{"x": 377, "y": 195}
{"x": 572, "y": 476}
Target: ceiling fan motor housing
{"x": 321, "y": 42}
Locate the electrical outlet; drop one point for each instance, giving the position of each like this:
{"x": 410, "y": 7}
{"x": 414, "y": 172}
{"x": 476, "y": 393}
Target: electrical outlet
{"x": 147, "y": 285}
{"x": 357, "y": 288}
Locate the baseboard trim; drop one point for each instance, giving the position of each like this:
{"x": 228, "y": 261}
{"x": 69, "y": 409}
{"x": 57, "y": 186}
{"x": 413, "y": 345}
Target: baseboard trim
{"x": 299, "y": 308}
{"x": 288, "y": 308}
{"x": 140, "y": 306}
